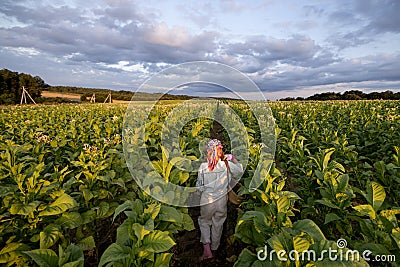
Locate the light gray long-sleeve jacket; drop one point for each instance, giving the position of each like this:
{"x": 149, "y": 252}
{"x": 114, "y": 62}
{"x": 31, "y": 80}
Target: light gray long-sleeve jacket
{"x": 214, "y": 184}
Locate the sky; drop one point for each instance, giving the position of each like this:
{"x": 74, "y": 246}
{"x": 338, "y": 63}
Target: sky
{"x": 287, "y": 48}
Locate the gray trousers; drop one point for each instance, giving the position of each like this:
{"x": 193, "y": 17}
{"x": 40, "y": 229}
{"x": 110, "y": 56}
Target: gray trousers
{"x": 211, "y": 221}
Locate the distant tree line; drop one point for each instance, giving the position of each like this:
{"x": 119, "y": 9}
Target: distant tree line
{"x": 348, "y": 95}
{"x": 11, "y": 84}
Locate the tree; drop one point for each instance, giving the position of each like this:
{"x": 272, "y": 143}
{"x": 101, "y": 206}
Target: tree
{"x": 353, "y": 95}
{"x": 11, "y": 86}
{"x": 325, "y": 96}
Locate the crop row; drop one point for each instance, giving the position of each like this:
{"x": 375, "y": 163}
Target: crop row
{"x": 68, "y": 198}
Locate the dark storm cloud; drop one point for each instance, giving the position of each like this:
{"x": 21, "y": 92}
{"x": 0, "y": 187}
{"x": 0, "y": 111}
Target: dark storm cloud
{"x": 260, "y": 51}
{"x": 372, "y": 19}
{"x": 383, "y": 68}
{"x": 383, "y": 15}
{"x": 80, "y": 75}
{"x": 106, "y": 35}
{"x": 344, "y": 18}
{"x": 41, "y": 15}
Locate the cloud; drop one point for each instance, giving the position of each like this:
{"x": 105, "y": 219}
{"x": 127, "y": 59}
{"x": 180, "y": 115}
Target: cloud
{"x": 306, "y": 24}
{"x": 178, "y": 37}
{"x": 108, "y": 35}
{"x": 126, "y": 66}
{"x": 257, "y": 51}
{"x": 297, "y": 48}
{"x": 383, "y": 16}
{"x": 370, "y": 69}
{"x": 312, "y": 10}
{"x": 363, "y": 21}
{"x": 231, "y": 6}
{"x": 201, "y": 14}
{"x": 54, "y": 72}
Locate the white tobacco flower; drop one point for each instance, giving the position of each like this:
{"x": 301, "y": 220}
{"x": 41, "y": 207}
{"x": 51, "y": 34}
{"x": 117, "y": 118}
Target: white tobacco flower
{"x": 86, "y": 147}
{"x": 43, "y": 139}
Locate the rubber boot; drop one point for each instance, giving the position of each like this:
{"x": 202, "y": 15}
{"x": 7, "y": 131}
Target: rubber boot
{"x": 207, "y": 254}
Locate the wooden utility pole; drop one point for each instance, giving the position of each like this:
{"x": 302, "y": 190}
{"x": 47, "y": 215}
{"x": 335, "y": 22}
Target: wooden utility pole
{"x": 108, "y": 97}
{"x": 93, "y": 98}
{"x": 24, "y": 94}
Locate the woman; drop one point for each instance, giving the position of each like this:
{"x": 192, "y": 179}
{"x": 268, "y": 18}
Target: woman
{"x": 213, "y": 179}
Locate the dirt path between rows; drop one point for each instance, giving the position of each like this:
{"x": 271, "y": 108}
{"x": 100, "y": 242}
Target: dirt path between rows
{"x": 189, "y": 249}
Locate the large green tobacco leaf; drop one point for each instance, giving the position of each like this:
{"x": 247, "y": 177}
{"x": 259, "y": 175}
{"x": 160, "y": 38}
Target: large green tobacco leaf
{"x": 157, "y": 242}
{"x": 246, "y": 258}
{"x": 44, "y": 257}
{"x": 249, "y": 259}
{"x": 114, "y": 253}
{"x": 187, "y": 223}
{"x": 103, "y": 210}
{"x": 124, "y": 206}
{"x": 375, "y": 195}
{"x": 24, "y": 209}
{"x": 153, "y": 210}
{"x": 87, "y": 243}
{"x": 376, "y": 249}
{"x": 12, "y": 252}
{"x": 327, "y": 157}
{"x": 60, "y": 205}
{"x": 366, "y": 209}
{"x": 252, "y": 228}
{"x": 285, "y": 241}
{"x": 139, "y": 231}
{"x": 283, "y": 204}
{"x": 330, "y": 217}
{"x": 309, "y": 227}
{"x": 396, "y": 236}
{"x": 123, "y": 238}
{"x": 72, "y": 256}
{"x": 49, "y": 236}
{"x": 170, "y": 214}
{"x": 70, "y": 220}
{"x": 162, "y": 260}
{"x": 327, "y": 202}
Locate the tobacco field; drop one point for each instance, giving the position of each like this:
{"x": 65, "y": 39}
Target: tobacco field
{"x": 68, "y": 198}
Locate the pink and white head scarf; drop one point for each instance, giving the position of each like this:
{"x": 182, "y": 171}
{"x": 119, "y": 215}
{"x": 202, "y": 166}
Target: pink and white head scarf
{"x": 212, "y": 153}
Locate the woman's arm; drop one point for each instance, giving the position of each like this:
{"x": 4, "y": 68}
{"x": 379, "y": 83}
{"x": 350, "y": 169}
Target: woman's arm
{"x": 236, "y": 168}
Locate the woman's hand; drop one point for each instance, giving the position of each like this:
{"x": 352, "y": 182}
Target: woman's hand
{"x": 229, "y": 157}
